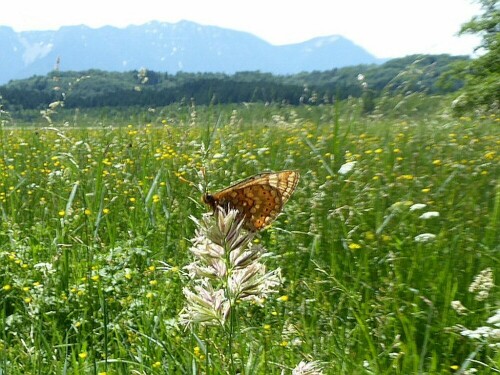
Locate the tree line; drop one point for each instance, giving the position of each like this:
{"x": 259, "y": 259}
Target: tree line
{"x": 95, "y": 88}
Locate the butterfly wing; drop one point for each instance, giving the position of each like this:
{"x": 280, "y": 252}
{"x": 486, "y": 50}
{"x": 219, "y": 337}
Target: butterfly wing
{"x": 259, "y": 199}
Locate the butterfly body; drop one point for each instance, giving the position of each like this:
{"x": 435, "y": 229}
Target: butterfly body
{"x": 259, "y": 199}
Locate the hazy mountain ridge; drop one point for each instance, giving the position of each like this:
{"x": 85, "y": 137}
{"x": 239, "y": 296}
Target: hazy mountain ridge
{"x": 183, "y": 46}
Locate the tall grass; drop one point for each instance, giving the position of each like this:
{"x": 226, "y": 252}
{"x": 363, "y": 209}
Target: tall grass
{"x": 89, "y": 214}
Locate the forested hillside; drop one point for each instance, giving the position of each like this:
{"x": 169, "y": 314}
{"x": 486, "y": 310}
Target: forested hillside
{"x": 95, "y": 88}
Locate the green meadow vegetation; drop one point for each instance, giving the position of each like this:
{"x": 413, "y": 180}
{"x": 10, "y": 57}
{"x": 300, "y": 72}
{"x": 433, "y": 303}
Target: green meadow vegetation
{"x": 388, "y": 249}
{"x": 385, "y": 260}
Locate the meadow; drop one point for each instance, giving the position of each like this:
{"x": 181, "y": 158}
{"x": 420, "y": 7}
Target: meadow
{"x": 388, "y": 249}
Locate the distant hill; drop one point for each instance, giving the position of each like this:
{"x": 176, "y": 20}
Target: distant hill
{"x": 98, "y": 88}
{"x": 164, "y": 47}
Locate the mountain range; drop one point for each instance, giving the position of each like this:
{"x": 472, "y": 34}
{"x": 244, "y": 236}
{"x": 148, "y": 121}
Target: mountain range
{"x": 184, "y": 46}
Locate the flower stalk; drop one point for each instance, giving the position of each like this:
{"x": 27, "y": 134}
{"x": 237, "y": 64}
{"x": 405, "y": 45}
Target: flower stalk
{"x": 227, "y": 269}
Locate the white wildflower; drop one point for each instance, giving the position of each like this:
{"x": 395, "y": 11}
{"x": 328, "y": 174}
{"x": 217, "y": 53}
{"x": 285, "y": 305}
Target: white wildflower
{"x": 347, "y": 167}
{"x": 204, "y": 306}
{"x": 425, "y": 237}
{"x": 224, "y": 255}
{"x": 482, "y": 284}
{"x": 308, "y": 368}
{"x": 56, "y": 104}
{"x": 495, "y": 319}
{"x": 459, "y": 308}
{"x": 254, "y": 281}
{"x": 417, "y": 206}
{"x": 429, "y": 215}
{"x": 484, "y": 332}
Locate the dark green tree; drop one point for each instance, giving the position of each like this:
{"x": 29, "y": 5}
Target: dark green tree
{"x": 482, "y": 74}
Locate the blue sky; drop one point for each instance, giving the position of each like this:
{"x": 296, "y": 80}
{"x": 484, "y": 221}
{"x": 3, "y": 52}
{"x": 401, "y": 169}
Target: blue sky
{"x": 386, "y": 28}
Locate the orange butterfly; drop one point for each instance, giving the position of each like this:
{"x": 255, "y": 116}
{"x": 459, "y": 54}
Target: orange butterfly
{"x": 259, "y": 198}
